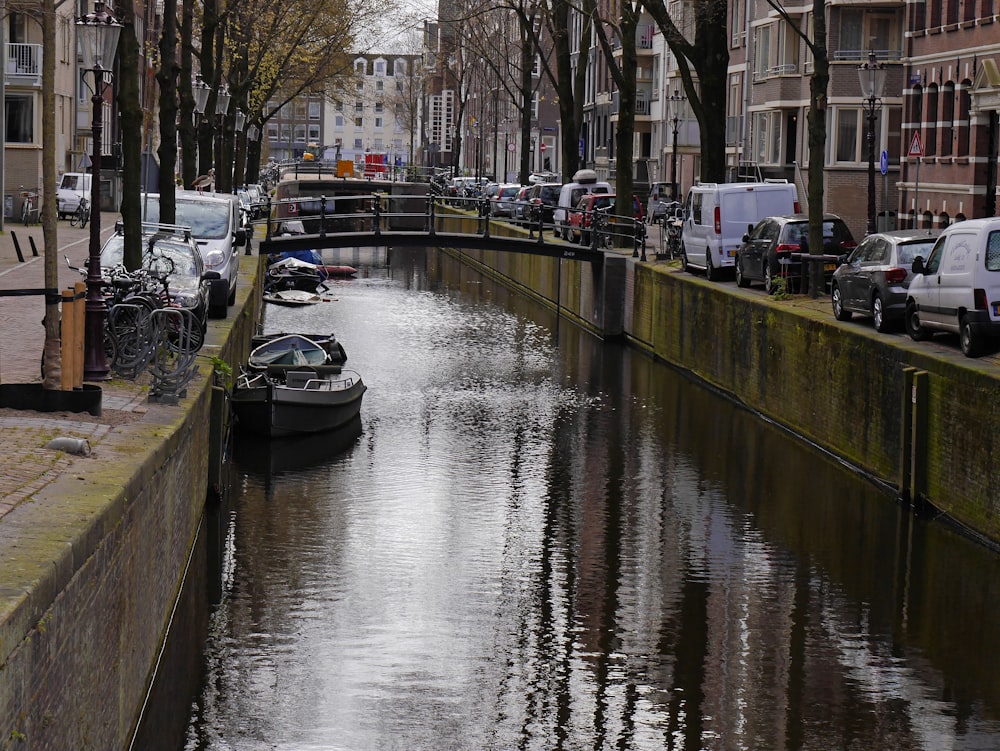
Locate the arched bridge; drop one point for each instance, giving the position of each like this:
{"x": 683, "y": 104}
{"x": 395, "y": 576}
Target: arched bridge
{"x": 318, "y": 222}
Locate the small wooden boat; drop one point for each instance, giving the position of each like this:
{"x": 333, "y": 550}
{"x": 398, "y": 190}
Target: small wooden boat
{"x": 293, "y": 386}
{"x": 292, "y": 297}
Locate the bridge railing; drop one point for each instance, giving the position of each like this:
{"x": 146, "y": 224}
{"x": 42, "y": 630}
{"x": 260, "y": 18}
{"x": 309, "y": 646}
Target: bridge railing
{"x": 376, "y": 213}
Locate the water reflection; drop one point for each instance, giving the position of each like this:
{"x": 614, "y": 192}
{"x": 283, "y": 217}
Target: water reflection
{"x": 545, "y": 542}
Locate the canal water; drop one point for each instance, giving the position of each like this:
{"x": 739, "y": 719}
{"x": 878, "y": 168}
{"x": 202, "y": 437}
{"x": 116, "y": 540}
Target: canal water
{"x": 535, "y": 540}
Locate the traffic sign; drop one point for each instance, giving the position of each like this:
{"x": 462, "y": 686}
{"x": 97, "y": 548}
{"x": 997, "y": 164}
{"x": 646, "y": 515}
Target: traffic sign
{"x": 883, "y": 161}
{"x": 916, "y": 147}
{"x": 511, "y": 147}
{"x": 542, "y": 147}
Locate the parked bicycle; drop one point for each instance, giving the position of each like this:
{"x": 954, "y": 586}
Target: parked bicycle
{"x": 82, "y": 214}
{"x": 29, "y": 206}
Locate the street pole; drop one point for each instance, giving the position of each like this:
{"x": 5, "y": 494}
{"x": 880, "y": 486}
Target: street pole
{"x": 871, "y": 76}
{"x": 674, "y": 103}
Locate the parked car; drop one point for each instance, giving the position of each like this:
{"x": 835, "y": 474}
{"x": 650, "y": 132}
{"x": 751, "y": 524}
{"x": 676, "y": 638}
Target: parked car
{"x": 503, "y": 202}
{"x": 874, "y": 278}
{"x": 72, "y": 187}
{"x": 584, "y": 181}
{"x": 766, "y": 252}
{"x": 957, "y": 288}
{"x": 716, "y": 216}
{"x": 659, "y": 198}
{"x": 544, "y": 197}
{"x": 519, "y": 211}
{"x": 214, "y": 221}
{"x": 173, "y": 253}
{"x": 581, "y": 218}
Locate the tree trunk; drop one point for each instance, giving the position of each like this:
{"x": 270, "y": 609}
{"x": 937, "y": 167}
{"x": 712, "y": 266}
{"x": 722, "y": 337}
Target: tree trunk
{"x": 189, "y": 145}
{"x": 52, "y": 349}
{"x": 133, "y": 125}
{"x": 166, "y": 77}
{"x": 817, "y": 142}
{"x": 565, "y": 89}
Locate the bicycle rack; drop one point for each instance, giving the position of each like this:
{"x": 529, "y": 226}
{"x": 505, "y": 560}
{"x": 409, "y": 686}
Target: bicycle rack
{"x": 173, "y": 359}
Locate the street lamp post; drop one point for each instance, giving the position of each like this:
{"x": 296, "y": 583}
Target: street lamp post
{"x": 240, "y": 121}
{"x": 97, "y": 37}
{"x": 872, "y": 77}
{"x": 674, "y": 103}
{"x": 222, "y": 98}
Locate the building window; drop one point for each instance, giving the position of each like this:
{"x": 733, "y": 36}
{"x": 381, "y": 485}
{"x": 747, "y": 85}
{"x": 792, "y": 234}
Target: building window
{"x": 378, "y": 144}
{"x": 762, "y": 52}
{"x": 767, "y": 137}
{"x": 947, "y": 118}
{"x": 359, "y": 122}
{"x": 847, "y": 135}
{"x": 300, "y": 134}
{"x": 964, "y": 113}
{"x": 19, "y": 113}
{"x": 862, "y": 31}
{"x": 930, "y": 139}
{"x": 359, "y": 106}
{"x": 314, "y": 134}
{"x": 338, "y": 121}
{"x": 361, "y": 86}
{"x": 272, "y": 131}
{"x": 379, "y": 85}
{"x": 380, "y": 67}
{"x": 378, "y": 122}
{"x": 379, "y": 107}
{"x": 739, "y": 33}
{"x": 357, "y": 143}
{"x": 315, "y": 107}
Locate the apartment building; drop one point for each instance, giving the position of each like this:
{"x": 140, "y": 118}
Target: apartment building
{"x": 22, "y": 92}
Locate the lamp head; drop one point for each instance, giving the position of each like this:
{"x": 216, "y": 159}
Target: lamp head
{"x": 97, "y": 38}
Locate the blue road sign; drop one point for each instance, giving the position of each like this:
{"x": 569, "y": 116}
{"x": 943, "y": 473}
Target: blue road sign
{"x": 883, "y": 161}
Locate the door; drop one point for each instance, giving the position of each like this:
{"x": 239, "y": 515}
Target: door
{"x": 761, "y": 239}
{"x": 955, "y": 278}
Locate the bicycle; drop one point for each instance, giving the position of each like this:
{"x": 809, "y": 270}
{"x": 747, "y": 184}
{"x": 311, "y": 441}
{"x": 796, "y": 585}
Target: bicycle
{"x": 82, "y": 214}
{"x": 29, "y": 208}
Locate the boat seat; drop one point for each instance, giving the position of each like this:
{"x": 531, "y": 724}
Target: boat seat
{"x": 298, "y": 379}
{"x": 281, "y": 371}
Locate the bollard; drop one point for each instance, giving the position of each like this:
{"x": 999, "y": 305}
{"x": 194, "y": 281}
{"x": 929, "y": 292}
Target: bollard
{"x": 17, "y": 247}
{"x": 80, "y": 301}
{"x": 67, "y": 329}
{"x": 31, "y": 242}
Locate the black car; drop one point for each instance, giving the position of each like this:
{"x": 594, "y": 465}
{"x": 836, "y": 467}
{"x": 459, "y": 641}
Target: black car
{"x": 544, "y": 197}
{"x": 874, "y": 278}
{"x": 770, "y": 250}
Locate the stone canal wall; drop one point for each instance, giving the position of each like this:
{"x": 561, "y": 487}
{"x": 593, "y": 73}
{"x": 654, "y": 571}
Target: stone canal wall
{"x": 919, "y": 417}
{"x": 93, "y": 562}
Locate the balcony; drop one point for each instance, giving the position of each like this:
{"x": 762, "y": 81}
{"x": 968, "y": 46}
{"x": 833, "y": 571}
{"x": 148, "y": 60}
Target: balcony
{"x": 24, "y": 65}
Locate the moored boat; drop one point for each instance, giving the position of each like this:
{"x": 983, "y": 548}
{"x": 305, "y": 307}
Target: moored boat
{"x": 294, "y": 386}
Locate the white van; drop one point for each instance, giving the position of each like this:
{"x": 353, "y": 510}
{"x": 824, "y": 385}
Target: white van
{"x": 72, "y": 187}
{"x": 716, "y": 216}
{"x": 957, "y": 288}
{"x": 584, "y": 181}
{"x": 214, "y": 219}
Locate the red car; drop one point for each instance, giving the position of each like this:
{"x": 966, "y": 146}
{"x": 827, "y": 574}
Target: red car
{"x": 580, "y": 217}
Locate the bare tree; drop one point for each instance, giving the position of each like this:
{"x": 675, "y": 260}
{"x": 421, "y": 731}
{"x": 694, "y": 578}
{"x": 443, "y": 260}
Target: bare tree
{"x": 708, "y": 54}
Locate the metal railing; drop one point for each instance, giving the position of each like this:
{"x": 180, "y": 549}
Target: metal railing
{"x": 24, "y": 59}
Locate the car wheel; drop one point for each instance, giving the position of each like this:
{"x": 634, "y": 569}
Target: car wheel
{"x": 711, "y": 273}
{"x": 232, "y": 296}
{"x": 838, "y": 305}
{"x": 878, "y": 314}
{"x": 972, "y": 344}
{"x": 913, "y": 328}
{"x": 769, "y": 286}
{"x": 741, "y": 279}
{"x": 684, "y": 259}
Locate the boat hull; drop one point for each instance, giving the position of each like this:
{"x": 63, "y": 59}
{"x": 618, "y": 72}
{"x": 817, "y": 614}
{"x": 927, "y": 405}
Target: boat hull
{"x": 275, "y": 410}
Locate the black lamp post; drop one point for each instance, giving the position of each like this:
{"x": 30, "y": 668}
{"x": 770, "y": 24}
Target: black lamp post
{"x": 872, "y": 77}
{"x": 674, "y": 103}
{"x": 97, "y": 37}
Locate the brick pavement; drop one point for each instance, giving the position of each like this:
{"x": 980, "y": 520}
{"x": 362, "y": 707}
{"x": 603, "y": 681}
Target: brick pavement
{"x": 27, "y": 466}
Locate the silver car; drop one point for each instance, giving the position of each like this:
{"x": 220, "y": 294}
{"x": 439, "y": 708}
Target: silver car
{"x": 874, "y": 279}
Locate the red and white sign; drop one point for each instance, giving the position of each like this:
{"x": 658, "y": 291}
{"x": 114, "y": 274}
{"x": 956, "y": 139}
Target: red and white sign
{"x": 543, "y": 147}
{"x": 511, "y": 147}
{"x": 916, "y": 147}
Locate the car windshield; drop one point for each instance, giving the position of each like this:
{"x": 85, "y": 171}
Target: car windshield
{"x": 207, "y": 219}
{"x": 182, "y": 265}
{"x": 908, "y": 251}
